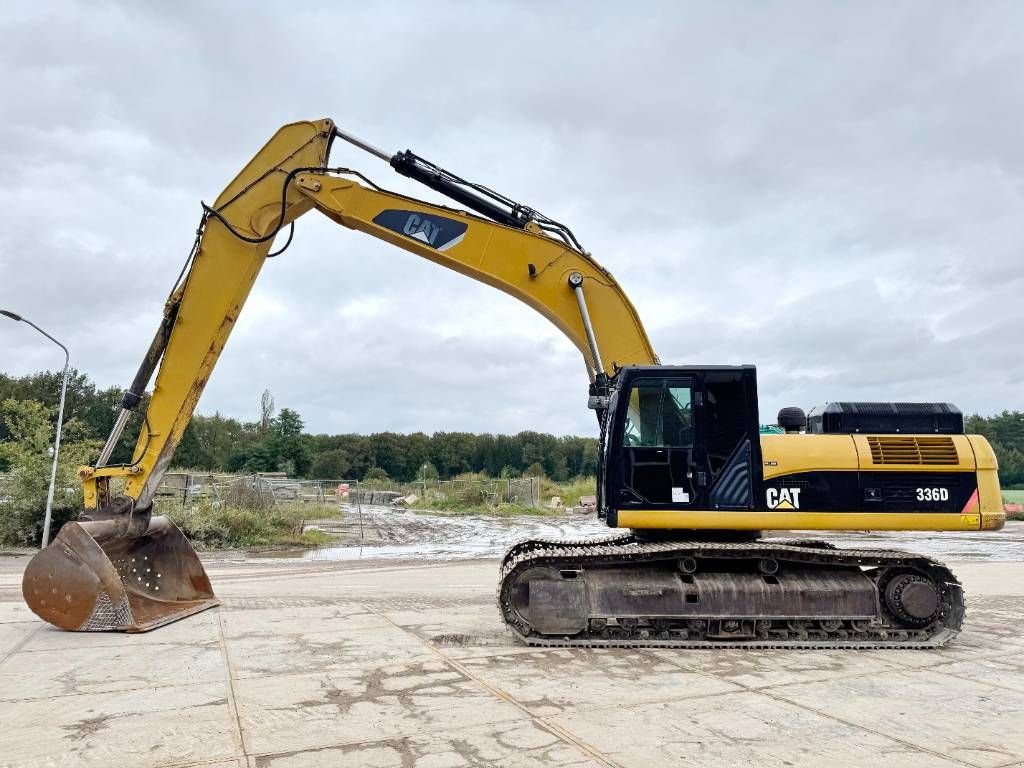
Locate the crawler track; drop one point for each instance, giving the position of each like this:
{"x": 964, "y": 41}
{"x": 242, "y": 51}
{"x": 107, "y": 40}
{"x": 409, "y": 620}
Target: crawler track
{"x": 634, "y": 564}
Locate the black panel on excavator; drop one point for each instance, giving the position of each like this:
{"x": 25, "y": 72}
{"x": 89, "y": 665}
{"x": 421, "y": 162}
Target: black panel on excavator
{"x": 886, "y": 419}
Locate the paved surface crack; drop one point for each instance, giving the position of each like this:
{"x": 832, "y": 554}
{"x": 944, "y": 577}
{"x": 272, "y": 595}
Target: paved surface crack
{"x": 563, "y": 734}
{"x": 21, "y": 643}
{"x": 777, "y": 697}
{"x": 230, "y": 671}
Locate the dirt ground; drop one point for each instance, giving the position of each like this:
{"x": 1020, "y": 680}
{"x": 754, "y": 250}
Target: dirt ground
{"x": 405, "y": 662}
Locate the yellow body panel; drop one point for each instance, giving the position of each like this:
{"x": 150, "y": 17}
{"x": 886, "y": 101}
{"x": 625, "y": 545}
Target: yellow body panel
{"x": 789, "y": 454}
{"x": 990, "y": 497}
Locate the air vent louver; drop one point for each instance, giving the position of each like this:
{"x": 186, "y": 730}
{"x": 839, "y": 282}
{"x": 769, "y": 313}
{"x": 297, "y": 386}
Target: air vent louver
{"x": 912, "y": 450}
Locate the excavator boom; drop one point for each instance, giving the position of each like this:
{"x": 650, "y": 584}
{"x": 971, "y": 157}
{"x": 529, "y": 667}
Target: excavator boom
{"x": 288, "y": 178}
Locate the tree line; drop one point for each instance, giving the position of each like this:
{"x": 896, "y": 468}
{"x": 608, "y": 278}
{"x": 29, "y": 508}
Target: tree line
{"x": 1005, "y": 432}
{"x": 277, "y": 441}
{"x": 225, "y": 444}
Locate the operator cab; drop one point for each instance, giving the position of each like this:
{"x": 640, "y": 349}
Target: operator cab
{"x": 682, "y": 438}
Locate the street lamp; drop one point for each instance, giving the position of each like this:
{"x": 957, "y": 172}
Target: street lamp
{"x": 60, "y": 419}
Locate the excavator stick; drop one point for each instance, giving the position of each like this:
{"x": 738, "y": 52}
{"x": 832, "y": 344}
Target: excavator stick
{"x": 97, "y": 576}
{"x": 118, "y": 568}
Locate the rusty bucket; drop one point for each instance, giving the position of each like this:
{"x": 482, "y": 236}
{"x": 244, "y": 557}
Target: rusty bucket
{"x": 97, "y": 576}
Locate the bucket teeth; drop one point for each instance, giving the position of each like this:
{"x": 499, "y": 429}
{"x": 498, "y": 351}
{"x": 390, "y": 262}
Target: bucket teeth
{"x": 93, "y": 578}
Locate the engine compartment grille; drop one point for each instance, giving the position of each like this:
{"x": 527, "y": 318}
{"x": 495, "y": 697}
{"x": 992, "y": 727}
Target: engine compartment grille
{"x": 897, "y": 449}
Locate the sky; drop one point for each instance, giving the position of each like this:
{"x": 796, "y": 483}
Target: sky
{"x": 832, "y": 192}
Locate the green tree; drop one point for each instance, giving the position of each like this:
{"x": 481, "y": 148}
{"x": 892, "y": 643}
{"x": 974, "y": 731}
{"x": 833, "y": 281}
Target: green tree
{"x": 508, "y": 453}
{"x": 589, "y": 458}
{"x": 217, "y": 441}
{"x": 29, "y": 427}
{"x": 1005, "y": 432}
{"x": 389, "y": 454}
{"x": 44, "y": 387}
{"x": 1011, "y": 464}
{"x": 287, "y": 424}
{"x": 358, "y": 451}
{"x": 557, "y": 465}
{"x": 452, "y": 452}
{"x": 534, "y": 470}
{"x": 286, "y": 444}
{"x": 190, "y": 453}
{"x": 417, "y": 448}
{"x": 258, "y": 457}
{"x": 427, "y": 472}
{"x": 375, "y": 473}
{"x": 330, "y": 465}
{"x": 485, "y": 455}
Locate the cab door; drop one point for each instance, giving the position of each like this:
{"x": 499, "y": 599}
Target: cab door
{"x": 656, "y": 443}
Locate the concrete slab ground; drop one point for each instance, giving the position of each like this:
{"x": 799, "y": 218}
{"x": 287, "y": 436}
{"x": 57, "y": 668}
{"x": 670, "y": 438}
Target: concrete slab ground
{"x": 407, "y": 664}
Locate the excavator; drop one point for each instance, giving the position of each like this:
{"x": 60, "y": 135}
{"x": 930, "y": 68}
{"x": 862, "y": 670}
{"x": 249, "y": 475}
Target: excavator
{"x": 687, "y": 478}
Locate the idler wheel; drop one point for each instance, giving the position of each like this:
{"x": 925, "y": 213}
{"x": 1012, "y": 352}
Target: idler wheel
{"x": 913, "y": 598}
{"x": 544, "y": 600}
{"x": 688, "y": 565}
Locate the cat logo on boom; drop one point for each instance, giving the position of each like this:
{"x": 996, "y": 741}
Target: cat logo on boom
{"x": 438, "y": 232}
{"x": 421, "y": 228}
{"x": 783, "y": 498}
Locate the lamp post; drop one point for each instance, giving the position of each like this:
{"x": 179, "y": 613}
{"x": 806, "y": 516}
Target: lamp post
{"x": 60, "y": 419}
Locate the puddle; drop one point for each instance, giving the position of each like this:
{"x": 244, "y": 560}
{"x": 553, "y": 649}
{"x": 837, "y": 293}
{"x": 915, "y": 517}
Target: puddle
{"x": 1006, "y": 545}
{"x": 383, "y": 552}
{"x": 401, "y": 534}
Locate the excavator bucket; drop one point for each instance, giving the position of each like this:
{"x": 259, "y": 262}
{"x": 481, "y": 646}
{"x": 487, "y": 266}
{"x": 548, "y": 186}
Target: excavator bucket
{"x": 94, "y": 577}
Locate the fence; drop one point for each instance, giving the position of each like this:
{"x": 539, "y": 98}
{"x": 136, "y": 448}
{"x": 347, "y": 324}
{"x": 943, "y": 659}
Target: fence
{"x": 264, "y": 489}
{"x": 270, "y": 489}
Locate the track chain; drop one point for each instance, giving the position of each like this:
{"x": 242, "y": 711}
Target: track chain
{"x": 625, "y": 548}
{"x": 525, "y": 546}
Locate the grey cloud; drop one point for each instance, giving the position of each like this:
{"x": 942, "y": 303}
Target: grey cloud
{"x": 831, "y": 192}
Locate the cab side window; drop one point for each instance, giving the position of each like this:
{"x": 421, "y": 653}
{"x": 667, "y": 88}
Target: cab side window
{"x": 659, "y": 415}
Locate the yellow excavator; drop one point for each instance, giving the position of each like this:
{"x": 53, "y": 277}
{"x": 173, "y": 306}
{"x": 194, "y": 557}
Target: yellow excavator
{"x": 685, "y": 471}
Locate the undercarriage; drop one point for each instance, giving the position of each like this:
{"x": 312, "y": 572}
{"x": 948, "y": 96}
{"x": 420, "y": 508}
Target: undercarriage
{"x": 623, "y": 591}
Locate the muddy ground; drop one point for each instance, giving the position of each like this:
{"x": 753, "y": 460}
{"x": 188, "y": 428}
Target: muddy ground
{"x": 389, "y": 533}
